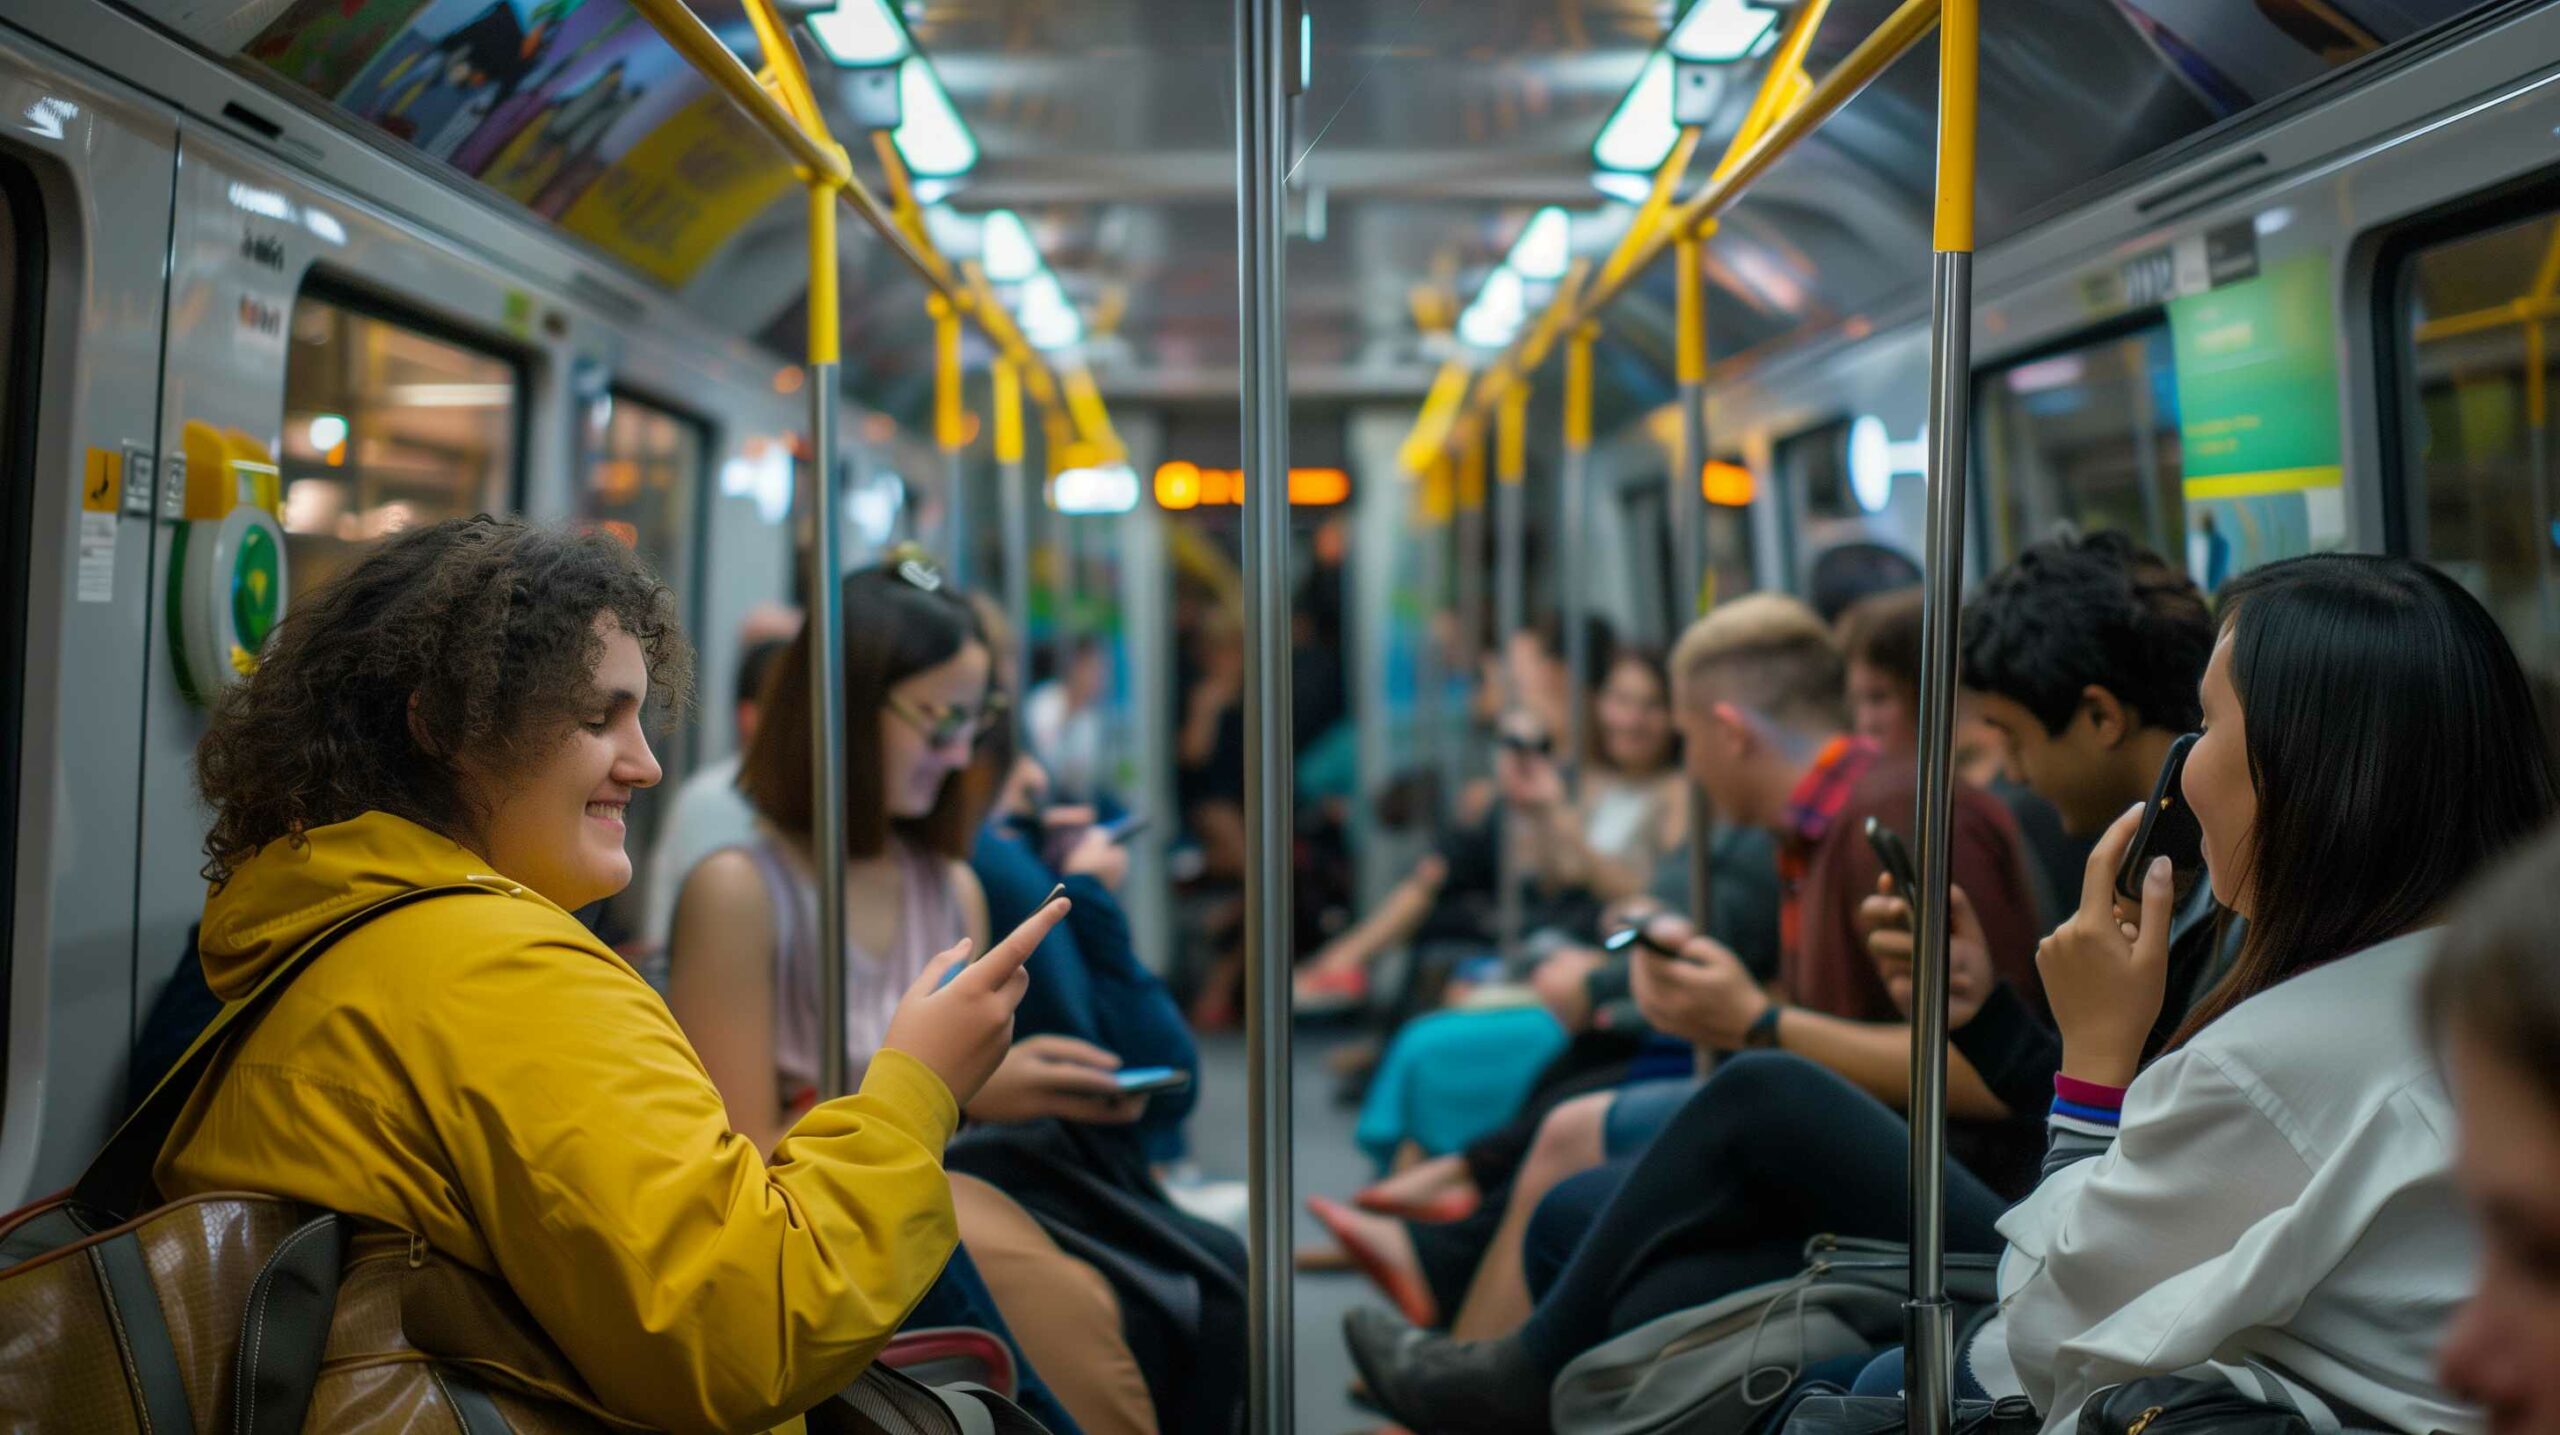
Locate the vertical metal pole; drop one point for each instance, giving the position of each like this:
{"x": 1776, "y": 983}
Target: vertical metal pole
{"x": 1431, "y": 552}
{"x": 1015, "y": 506}
{"x": 826, "y": 643}
{"x": 1573, "y": 596}
{"x": 1469, "y": 558}
{"x": 1510, "y": 599}
{"x": 1929, "y": 1348}
{"x": 1262, "y": 143}
{"x": 1689, "y": 522}
{"x": 950, "y": 434}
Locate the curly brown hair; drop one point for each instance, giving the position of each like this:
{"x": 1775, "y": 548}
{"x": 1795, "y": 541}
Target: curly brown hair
{"x": 483, "y": 628}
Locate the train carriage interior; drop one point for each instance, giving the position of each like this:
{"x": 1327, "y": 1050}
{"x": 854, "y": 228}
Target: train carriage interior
{"x": 1598, "y": 606}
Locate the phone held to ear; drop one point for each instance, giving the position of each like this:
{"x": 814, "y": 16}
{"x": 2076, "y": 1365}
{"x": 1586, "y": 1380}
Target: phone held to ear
{"x": 1141, "y": 1080}
{"x": 2169, "y": 827}
{"x": 1895, "y": 858}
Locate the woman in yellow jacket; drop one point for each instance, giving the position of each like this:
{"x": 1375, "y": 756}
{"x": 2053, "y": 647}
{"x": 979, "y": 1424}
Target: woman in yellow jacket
{"x": 467, "y": 707}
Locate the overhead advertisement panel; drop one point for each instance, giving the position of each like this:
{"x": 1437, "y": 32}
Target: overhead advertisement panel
{"x": 573, "y": 108}
{"x": 2257, "y": 367}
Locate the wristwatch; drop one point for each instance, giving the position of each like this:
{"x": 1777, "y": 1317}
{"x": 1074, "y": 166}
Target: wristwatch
{"x": 1763, "y": 1031}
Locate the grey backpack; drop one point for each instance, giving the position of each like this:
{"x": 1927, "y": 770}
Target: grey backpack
{"x": 1715, "y": 1369}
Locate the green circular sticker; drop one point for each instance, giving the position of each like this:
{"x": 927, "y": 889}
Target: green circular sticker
{"x": 257, "y": 587}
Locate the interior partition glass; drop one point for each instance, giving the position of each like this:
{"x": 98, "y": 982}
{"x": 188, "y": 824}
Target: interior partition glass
{"x": 387, "y": 424}
{"x": 2477, "y": 329}
{"x": 2084, "y": 438}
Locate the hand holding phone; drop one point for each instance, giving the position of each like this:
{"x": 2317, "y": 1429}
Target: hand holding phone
{"x": 2169, "y": 827}
{"x": 1640, "y": 937}
{"x": 1895, "y": 858}
{"x": 1142, "y": 1080}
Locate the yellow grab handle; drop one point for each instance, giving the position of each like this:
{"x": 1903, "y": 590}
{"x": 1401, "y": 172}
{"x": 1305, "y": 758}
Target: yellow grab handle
{"x": 1959, "y": 88}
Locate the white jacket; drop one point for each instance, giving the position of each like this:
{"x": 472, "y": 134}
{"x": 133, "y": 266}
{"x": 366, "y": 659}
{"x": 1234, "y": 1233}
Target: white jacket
{"x": 2280, "y": 1192}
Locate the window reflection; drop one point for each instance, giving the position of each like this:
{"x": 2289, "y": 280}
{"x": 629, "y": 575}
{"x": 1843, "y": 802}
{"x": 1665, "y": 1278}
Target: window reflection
{"x": 2088, "y": 438}
{"x": 2480, "y": 316}
{"x": 386, "y": 427}
{"x": 642, "y": 467}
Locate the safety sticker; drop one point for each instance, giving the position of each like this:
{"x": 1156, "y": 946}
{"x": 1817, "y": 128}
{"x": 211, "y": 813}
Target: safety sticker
{"x": 102, "y": 486}
{"x": 97, "y": 557}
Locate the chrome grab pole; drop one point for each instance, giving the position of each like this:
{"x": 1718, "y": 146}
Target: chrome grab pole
{"x": 1510, "y": 599}
{"x": 826, "y": 648}
{"x": 1467, "y": 532}
{"x": 1015, "y": 507}
{"x": 1263, "y": 72}
{"x": 1929, "y": 1349}
{"x": 1572, "y": 577}
{"x": 1430, "y": 676}
{"x": 1689, "y": 525}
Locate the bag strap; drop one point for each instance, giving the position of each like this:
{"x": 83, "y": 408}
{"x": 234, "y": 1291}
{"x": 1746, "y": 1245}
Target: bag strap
{"x": 118, "y": 1182}
{"x": 286, "y": 1329}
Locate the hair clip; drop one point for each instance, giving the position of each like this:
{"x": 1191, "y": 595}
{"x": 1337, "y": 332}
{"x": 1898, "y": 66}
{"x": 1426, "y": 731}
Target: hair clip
{"x": 915, "y": 567}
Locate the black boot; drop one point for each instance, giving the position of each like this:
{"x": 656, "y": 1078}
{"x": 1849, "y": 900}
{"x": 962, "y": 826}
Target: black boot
{"x": 1431, "y": 1383}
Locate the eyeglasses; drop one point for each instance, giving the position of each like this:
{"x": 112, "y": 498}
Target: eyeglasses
{"x": 945, "y": 726}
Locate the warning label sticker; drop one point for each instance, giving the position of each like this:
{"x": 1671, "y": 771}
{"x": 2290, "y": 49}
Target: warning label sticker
{"x": 97, "y": 558}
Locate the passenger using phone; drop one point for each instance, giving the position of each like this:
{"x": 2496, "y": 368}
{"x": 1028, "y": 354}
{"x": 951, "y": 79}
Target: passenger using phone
{"x": 474, "y": 1067}
{"x": 2085, "y": 656}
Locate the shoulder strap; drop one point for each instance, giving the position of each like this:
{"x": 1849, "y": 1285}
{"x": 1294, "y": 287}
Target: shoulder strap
{"x": 118, "y": 1182}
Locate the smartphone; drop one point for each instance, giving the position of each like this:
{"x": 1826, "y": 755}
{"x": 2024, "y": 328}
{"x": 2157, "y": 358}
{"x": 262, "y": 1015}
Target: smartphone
{"x": 1627, "y": 938}
{"x": 1139, "y": 1080}
{"x": 1124, "y": 827}
{"x": 2169, "y": 828}
{"x": 1896, "y": 859}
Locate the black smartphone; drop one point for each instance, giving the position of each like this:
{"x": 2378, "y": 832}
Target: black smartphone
{"x": 1639, "y": 935}
{"x": 1896, "y": 859}
{"x": 2169, "y": 828}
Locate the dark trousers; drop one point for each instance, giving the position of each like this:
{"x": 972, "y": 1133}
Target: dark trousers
{"x": 1771, "y": 1151}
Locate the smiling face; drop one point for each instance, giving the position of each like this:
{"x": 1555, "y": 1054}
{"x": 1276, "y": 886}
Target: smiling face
{"x": 2504, "y": 1350}
{"x": 1634, "y": 717}
{"x": 923, "y": 738}
{"x": 2219, "y": 788}
{"x": 555, "y": 822}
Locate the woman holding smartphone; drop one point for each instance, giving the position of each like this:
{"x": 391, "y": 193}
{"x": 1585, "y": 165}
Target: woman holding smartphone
{"x": 2277, "y": 1186}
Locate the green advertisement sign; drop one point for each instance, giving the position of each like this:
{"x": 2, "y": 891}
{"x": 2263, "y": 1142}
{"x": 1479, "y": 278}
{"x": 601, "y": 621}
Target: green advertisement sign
{"x": 2257, "y": 374}
{"x": 2258, "y": 383}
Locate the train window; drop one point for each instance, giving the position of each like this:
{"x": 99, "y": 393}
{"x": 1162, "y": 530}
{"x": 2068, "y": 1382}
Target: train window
{"x": 642, "y": 466}
{"x": 2085, "y": 437}
{"x": 1843, "y": 482}
{"x": 388, "y": 423}
{"x": 2477, "y": 317}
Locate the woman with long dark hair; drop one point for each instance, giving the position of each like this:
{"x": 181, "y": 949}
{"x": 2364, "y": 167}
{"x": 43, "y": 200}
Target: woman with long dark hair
{"x": 2273, "y": 1190}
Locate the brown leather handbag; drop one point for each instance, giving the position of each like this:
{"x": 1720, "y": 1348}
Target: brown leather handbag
{"x": 231, "y": 1313}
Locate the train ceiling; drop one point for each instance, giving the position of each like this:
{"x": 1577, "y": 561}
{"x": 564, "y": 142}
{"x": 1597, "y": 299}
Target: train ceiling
{"x": 1429, "y": 132}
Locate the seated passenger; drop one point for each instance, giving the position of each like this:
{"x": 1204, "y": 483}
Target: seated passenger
{"x": 2493, "y": 1007}
{"x": 743, "y": 966}
{"x": 1760, "y": 708}
{"x": 465, "y": 708}
{"x": 709, "y": 812}
{"x": 2263, "y": 1192}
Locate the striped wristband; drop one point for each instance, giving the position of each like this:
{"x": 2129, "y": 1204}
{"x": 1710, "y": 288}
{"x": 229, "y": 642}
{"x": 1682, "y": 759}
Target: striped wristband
{"x": 2086, "y": 1106}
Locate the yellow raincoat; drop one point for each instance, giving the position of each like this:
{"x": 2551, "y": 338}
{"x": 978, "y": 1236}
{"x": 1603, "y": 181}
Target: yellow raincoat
{"x": 481, "y": 1072}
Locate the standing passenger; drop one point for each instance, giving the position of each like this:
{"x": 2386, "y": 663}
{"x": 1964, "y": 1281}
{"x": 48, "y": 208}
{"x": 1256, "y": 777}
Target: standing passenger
{"x": 465, "y": 707}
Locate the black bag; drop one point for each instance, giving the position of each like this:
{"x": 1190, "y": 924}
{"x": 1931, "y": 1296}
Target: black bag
{"x": 1180, "y": 1280}
{"x": 1825, "y": 1411}
{"x": 2179, "y": 1405}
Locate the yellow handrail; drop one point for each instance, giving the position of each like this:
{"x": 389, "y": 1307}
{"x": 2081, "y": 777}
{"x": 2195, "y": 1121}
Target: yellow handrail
{"x": 782, "y": 103}
{"x": 1783, "y": 112}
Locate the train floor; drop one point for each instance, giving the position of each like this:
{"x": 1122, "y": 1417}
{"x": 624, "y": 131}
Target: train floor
{"x": 1327, "y": 1163}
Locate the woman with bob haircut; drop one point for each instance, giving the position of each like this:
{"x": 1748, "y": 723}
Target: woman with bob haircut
{"x": 465, "y": 708}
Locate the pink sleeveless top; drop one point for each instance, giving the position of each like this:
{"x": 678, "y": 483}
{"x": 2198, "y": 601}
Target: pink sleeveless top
{"x": 929, "y": 921}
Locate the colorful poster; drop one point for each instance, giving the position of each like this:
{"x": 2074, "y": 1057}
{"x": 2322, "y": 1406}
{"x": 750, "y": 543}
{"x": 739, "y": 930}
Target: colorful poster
{"x": 2257, "y": 368}
{"x": 682, "y": 190}
{"x": 573, "y": 108}
{"x": 322, "y": 45}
